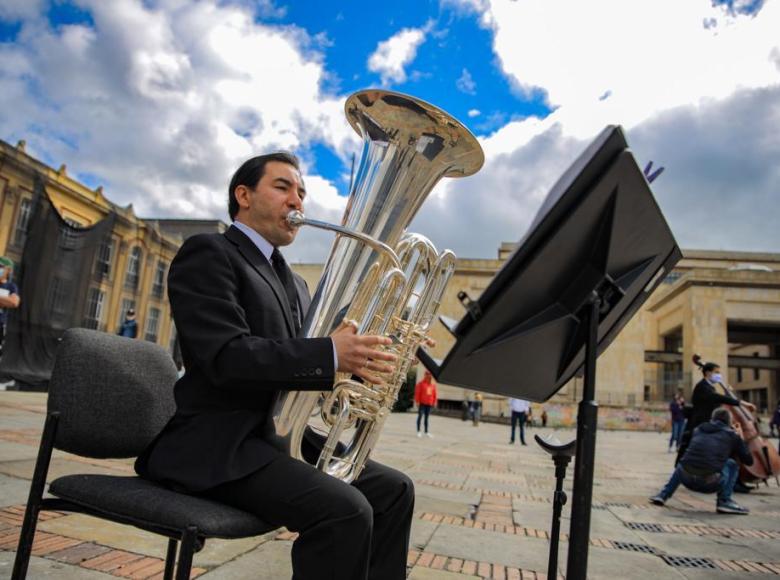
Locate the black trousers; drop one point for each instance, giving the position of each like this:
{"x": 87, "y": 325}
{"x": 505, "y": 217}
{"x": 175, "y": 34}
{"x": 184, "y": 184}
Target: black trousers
{"x": 519, "y": 418}
{"x": 358, "y": 531}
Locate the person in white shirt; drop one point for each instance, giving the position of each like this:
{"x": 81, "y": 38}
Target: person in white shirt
{"x": 520, "y": 409}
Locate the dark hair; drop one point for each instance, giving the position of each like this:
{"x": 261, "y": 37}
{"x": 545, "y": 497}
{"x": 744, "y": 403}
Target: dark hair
{"x": 722, "y": 415}
{"x": 250, "y": 173}
{"x": 709, "y": 367}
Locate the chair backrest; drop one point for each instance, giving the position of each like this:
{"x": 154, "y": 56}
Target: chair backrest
{"x": 114, "y": 394}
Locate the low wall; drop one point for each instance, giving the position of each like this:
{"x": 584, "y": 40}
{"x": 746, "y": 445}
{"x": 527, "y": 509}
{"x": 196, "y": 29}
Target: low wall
{"x": 611, "y": 417}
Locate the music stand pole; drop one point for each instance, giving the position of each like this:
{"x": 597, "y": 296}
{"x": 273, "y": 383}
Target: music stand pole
{"x": 587, "y": 420}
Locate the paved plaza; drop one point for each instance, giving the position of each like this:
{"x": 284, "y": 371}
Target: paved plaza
{"x": 483, "y": 510}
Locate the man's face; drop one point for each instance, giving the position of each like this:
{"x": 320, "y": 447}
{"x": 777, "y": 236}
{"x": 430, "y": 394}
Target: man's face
{"x": 5, "y": 273}
{"x": 265, "y": 208}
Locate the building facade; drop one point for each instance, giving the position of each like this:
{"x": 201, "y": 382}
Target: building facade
{"x": 130, "y": 266}
{"x": 724, "y": 306}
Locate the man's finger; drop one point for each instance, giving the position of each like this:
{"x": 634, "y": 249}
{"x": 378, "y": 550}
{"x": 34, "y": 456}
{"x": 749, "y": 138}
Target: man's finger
{"x": 372, "y": 339}
{"x": 347, "y": 326}
{"x": 369, "y": 377}
{"x": 381, "y": 355}
{"x": 379, "y": 367}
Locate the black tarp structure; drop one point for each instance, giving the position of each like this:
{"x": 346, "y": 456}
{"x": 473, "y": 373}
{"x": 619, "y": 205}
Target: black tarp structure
{"x": 54, "y": 277}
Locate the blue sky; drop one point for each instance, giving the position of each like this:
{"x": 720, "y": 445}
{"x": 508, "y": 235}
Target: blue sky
{"x": 455, "y": 65}
{"x": 159, "y": 100}
{"x": 457, "y": 43}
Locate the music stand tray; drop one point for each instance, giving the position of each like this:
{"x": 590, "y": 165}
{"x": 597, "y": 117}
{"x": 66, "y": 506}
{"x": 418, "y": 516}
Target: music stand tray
{"x": 596, "y": 250}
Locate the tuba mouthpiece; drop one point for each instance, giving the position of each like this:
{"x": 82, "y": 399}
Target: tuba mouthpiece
{"x": 295, "y": 218}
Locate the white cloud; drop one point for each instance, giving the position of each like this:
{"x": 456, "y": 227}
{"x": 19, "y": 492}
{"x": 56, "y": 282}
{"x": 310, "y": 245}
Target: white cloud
{"x": 163, "y": 100}
{"x": 466, "y": 84}
{"x": 705, "y": 103}
{"x": 14, "y": 10}
{"x": 392, "y": 55}
{"x": 647, "y": 56}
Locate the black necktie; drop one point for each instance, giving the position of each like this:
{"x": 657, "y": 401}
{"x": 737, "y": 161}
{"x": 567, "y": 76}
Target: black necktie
{"x": 286, "y": 278}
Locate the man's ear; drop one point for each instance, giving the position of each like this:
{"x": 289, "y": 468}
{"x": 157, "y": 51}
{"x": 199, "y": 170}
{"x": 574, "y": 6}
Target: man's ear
{"x": 242, "y": 194}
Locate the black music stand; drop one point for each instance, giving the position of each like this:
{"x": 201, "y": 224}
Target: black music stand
{"x": 597, "y": 249}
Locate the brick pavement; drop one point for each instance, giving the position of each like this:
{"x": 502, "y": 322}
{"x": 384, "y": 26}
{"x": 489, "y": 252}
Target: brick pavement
{"x": 483, "y": 511}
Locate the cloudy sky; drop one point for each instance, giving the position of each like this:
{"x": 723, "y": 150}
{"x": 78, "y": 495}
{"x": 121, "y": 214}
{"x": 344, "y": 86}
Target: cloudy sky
{"x": 160, "y": 100}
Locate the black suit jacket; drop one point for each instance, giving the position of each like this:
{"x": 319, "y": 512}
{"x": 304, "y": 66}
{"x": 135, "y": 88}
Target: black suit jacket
{"x": 239, "y": 350}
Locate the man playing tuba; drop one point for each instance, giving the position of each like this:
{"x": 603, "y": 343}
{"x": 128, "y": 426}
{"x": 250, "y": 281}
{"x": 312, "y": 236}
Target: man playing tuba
{"x": 238, "y": 308}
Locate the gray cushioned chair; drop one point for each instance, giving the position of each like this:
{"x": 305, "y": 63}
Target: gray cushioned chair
{"x": 109, "y": 396}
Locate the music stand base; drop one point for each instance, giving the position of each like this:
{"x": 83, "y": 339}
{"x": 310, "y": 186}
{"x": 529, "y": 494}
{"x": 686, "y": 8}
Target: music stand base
{"x": 561, "y": 455}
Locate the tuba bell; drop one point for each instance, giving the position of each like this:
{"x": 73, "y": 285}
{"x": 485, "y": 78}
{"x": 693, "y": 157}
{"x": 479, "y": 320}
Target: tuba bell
{"x": 387, "y": 281}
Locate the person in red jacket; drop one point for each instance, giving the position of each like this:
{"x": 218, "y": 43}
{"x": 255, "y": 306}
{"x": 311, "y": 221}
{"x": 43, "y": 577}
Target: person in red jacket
{"x": 425, "y": 397}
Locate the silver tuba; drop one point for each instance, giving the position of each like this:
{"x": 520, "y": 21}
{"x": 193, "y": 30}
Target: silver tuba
{"x": 387, "y": 281}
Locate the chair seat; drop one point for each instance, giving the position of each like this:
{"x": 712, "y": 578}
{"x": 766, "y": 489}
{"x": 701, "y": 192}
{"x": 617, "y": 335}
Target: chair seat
{"x": 145, "y": 503}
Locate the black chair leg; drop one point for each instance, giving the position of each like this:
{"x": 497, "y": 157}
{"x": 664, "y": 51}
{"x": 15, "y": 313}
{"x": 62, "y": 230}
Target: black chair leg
{"x": 30, "y": 522}
{"x": 170, "y": 559}
{"x": 188, "y": 541}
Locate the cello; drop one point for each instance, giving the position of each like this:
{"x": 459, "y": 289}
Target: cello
{"x": 766, "y": 460}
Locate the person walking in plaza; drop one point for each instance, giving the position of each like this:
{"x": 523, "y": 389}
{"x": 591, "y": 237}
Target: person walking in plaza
{"x": 476, "y": 414}
{"x": 774, "y": 424}
{"x": 708, "y": 465}
{"x": 129, "y": 328}
{"x": 9, "y": 295}
{"x": 676, "y": 407}
{"x": 425, "y": 396}
{"x": 519, "y": 409}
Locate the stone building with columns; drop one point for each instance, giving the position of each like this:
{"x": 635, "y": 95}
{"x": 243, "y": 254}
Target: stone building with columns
{"x": 722, "y": 305}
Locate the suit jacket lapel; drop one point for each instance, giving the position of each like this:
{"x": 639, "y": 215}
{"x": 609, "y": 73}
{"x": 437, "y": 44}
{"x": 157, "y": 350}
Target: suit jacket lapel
{"x": 303, "y": 295}
{"x": 255, "y": 257}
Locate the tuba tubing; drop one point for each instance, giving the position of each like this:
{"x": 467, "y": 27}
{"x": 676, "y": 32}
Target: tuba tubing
{"x": 388, "y": 281}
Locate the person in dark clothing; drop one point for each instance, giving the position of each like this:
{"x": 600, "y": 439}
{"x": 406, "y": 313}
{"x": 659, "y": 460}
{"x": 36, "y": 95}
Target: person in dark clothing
{"x": 9, "y": 295}
{"x": 678, "y": 420}
{"x": 705, "y": 400}
{"x": 708, "y": 465}
{"x": 129, "y": 327}
{"x": 239, "y": 309}
{"x": 775, "y": 422}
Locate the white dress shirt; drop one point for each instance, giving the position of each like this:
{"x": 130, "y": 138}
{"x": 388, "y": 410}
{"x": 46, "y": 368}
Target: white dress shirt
{"x": 519, "y": 405}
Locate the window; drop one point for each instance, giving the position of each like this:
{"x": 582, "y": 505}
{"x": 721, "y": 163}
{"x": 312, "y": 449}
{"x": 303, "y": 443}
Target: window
{"x": 133, "y": 269}
{"x": 58, "y": 293}
{"x": 152, "y": 324}
{"x": 672, "y": 277}
{"x": 68, "y": 236}
{"x": 127, "y": 304}
{"x": 94, "y": 308}
{"x": 756, "y": 372}
{"x": 105, "y": 256}
{"x": 22, "y": 221}
{"x": 739, "y": 374}
{"x": 158, "y": 288}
